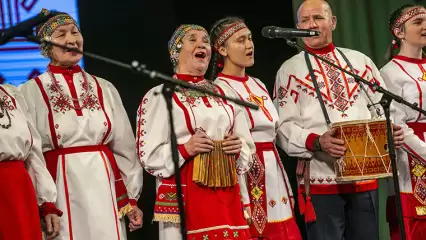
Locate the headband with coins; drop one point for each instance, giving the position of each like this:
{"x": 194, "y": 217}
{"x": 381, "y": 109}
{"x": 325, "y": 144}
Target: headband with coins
{"x": 47, "y": 29}
{"x": 175, "y": 42}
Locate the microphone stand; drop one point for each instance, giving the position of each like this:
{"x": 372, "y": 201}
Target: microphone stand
{"x": 167, "y": 92}
{"x": 385, "y": 102}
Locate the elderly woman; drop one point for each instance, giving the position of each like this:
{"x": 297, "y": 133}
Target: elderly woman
{"x": 87, "y": 140}
{"x": 233, "y": 45}
{"x": 21, "y": 154}
{"x": 405, "y": 75}
{"x": 214, "y": 146}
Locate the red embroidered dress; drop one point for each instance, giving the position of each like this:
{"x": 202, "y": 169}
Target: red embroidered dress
{"x": 21, "y": 161}
{"x": 211, "y": 213}
{"x": 271, "y": 197}
{"x": 89, "y": 148}
{"x": 406, "y": 77}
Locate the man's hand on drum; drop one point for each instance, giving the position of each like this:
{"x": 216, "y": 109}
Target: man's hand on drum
{"x": 398, "y": 136}
{"x": 199, "y": 143}
{"x": 333, "y": 146}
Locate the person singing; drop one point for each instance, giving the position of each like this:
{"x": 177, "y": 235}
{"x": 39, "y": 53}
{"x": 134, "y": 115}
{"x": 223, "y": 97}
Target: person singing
{"x": 86, "y": 138}
{"x": 212, "y": 137}
{"x": 405, "y": 75}
{"x": 271, "y": 198}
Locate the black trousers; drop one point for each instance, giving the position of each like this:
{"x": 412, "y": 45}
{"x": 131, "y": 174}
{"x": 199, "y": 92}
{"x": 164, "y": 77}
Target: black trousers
{"x": 345, "y": 217}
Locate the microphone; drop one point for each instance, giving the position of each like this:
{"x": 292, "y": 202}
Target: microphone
{"x": 25, "y": 28}
{"x": 277, "y": 32}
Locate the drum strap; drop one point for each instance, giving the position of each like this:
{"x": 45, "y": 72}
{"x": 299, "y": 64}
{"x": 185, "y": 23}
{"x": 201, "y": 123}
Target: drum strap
{"x": 317, "y": 90}
{"x": 303, "y": 165}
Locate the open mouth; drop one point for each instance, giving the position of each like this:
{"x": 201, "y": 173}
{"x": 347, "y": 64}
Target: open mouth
{"x": 72, "y": 51}
{"x": 249, "y": 54}
{"x": 200, "y": 55}
{"x": 424, "y": 34}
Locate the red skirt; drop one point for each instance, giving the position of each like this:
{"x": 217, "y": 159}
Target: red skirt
{"x": 415, "y": 227}
{"x": 287, "y": 230}
{"x": 214, "y": 214}
{"x": 18, "y": 205}
{"x": 414, "y": 224}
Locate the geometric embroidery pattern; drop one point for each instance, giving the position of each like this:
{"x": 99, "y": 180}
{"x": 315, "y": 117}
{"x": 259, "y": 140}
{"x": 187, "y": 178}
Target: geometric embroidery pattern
{"x": 258, "y": 196}
{"x": 418, "y": 181}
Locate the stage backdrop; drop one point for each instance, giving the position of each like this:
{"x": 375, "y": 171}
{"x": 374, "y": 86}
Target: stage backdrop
{"x": 21, "y": 60}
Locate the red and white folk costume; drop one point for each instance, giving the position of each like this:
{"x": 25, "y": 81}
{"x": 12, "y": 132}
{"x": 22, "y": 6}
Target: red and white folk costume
{"x": 271, "y": 197}
{"x": 20, "y": 148}
{"x": 210, "y": 213}
{"x": 406, "y": 77}
{"x": 301, "y": 118}
{"x": 89, "y": 148}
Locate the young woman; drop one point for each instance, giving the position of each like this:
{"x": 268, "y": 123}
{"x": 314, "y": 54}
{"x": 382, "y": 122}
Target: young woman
{"x": 405, "y": 75}
{"x": 271, "y": 198}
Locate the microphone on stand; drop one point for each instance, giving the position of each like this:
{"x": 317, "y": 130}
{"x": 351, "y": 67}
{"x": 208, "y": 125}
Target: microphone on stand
{"x": 25, "y": 28}
{"x": 287, "y": 33}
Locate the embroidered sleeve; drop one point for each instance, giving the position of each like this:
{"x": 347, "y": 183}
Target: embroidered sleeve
{"x": 49, "y": 208}
{"x": 248, "y": 150}
{"x": 123, "y": 145}
{"x": 153, "y": 135}
{"x": 412, "y": 143}
{"x": 292, "y": 136}
{"x": 44, "y": 185}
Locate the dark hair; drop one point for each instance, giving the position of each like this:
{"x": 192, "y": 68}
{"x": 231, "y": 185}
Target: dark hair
{"x": 395, "y": 15}
{"x": 216, "y": 30}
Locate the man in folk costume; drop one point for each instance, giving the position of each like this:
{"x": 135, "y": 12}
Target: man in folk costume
{"x": 271, "y": 198}
{"x": 405, "y": 75}
{"x": 213, "y": 138}
{"x": 333, "y": 210}
{"x": 21, "y": 161}
{"x": 87, "y": 140}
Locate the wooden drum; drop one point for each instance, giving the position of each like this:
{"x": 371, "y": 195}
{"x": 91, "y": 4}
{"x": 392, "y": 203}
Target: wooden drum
{"x": 367, "y": 155}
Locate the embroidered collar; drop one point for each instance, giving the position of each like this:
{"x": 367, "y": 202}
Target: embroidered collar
{"x": 64, "y": 70}
{"x": 239, "y": 79}
{"x": 189, "y": 78}
{"x": 410, "y": 60}
{"x": 330, "y": 47}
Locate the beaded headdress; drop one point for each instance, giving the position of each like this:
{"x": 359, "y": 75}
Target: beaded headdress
{"x": 407, "y": 16}
{"x": 175, "y": 42}
{"x": 227, "y": 33}
{"x": 51, "y": 25}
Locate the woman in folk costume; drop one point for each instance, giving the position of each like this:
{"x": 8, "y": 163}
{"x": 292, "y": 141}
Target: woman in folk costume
{"x": 405, "y": 75}
{"x": 87, "y": 140}
{"x": 214, "y": 146}
{"x": 21, "y": 161}
{"x": 271, "y": 197}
